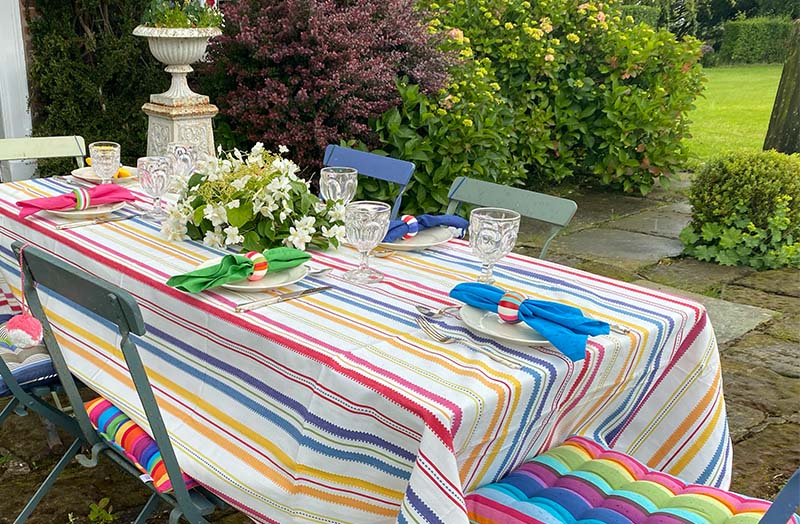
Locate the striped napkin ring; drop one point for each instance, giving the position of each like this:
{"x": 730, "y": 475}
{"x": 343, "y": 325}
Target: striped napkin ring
{"x": 508, "y": 307}
{"x": 260, "y": 265}
{"x": 82, "y": 199}
{"x": 413, "y": 226}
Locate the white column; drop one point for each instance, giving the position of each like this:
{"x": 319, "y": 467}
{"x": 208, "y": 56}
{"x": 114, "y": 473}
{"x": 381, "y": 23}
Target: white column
{"x": 15, "y": 118}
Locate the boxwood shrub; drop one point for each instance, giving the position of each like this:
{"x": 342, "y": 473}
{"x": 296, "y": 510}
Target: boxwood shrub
{"x": 746, "y": 211}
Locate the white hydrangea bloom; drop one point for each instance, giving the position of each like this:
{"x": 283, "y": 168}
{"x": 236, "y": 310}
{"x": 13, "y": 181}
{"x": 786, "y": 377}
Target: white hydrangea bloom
{"x": 336, "y": 213}
{"x": 214, "y": 238}
{"x": 232, "y": 236}
{"x": 306, "y": 223}
{"x": 174, "y": 228}
{"x": 239, "y": 183}
{"x": 215, "y": 214}
{"x": 283, "y": 149}
{"x": 298, "y": 238}
{"x": 233, "y": 204}
{"x": 337, "y": 232}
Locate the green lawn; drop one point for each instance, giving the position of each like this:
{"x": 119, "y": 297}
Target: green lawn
{"x": 734, "y": 112}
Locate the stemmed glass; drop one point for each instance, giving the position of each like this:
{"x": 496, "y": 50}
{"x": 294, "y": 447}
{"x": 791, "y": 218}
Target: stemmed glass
{"x": 105, "y": 159}
{"x": 184, "y": 161}
{"x": 155, "y": 173}
{"x": 492, "y": 235}
{"x": 365, "y": 223}
{"x": 338, "y": 183}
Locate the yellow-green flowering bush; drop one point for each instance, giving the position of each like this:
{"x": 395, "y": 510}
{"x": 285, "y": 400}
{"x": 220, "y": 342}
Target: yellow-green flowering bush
{"x": 466, "y": 129}
{"x": 592, "y": 93}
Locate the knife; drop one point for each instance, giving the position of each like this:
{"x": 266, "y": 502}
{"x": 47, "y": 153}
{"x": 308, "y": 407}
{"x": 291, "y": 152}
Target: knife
{"x": 70, "y": 225}
{"x": 247, "y": 306}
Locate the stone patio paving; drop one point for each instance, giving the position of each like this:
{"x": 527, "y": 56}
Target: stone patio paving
{"x": 756, "y": 317}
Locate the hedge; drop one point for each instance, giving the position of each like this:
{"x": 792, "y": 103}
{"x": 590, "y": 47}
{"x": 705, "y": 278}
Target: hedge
{"x": 755, "y": 40}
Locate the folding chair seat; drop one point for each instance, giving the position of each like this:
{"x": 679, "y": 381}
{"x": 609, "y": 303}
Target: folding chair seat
{"x": 552, "y": 211}
{"x": 29, "y": 378}
{"x": 374, "y": 166}
{"x": 101, "y": 424}
{"x": 582, "y": 482}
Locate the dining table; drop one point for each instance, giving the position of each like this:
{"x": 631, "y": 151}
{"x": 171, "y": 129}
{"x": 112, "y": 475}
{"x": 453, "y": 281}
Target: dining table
{"x": 336, "y": 407}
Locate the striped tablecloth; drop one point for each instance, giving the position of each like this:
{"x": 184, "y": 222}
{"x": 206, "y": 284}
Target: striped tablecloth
{"x": 336, "y": 408}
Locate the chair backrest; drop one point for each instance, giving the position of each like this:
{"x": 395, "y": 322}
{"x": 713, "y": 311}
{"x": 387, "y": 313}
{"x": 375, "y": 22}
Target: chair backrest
{"x": 554, "y": 211}
{"x": 43, "y": 147}
{"x": 786, "y": 502}
{"x": 373, "y": 166}
{"x": 117, "y": 306}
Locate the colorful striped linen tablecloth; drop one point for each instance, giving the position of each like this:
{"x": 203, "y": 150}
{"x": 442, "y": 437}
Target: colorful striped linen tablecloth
{"x": 336, "y": 408}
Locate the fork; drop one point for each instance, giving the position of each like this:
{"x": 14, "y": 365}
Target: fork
{"x": 443, "y": 338}
{"x": 434, "y": 313}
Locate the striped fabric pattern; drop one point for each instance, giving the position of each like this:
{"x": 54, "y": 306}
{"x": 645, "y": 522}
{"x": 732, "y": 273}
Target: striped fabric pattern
{"x": 118, "y": 429}
{"x": 581, "y": 481}
{"x": 30, "y": 366}
{"x": 336, "y": 408}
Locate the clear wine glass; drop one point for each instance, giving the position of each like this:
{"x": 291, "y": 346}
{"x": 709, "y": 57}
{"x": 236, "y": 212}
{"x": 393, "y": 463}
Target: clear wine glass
{"x": 338, "y": 183}
{"x": 365, "y": 223}
{"x": 184, "y": 162}
{"x": 105, "y": 159}
{"x": 155, "y": 173}
{"x": 492, "y": 235}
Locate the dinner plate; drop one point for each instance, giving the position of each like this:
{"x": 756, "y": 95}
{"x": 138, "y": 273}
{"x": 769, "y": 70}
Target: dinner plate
{"x": 270, "y": 280}
{"x": 89, "y": 212}
{"x": 424, "y": 239}
{"x": 488, "y": 323}
{"x": 88, "y": 174}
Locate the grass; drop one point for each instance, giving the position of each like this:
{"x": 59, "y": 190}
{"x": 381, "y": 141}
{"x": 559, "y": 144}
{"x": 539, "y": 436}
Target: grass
{"x": 734, "y": 112}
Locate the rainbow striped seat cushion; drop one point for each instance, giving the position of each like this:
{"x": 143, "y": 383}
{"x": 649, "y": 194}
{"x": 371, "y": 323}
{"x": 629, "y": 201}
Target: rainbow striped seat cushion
{"x": 583, "y": 482}
{"x": 127, "y": 436}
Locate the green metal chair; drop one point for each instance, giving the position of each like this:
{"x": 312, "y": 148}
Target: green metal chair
{"x": 27, "y": 375}
{"x": 555, "y": 212}
{"x": 118, "y": 307}
{"x": 33, "y": 148}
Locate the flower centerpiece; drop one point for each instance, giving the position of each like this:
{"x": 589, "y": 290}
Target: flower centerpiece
{"x": 182, "y": 13}
{"x": 255, "y": 200}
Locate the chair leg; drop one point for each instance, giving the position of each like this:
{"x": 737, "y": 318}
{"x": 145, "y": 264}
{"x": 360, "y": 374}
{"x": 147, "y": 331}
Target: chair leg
{"x": 8, "y": 410}
{"x": 148, "y": 509}
{"x": 48, "y": 482}
{"x": 53, "y": 440}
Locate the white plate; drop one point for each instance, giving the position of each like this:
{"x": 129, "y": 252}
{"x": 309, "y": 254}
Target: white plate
{"x": 270, "y": 280}
{"x": 424, "y": 239}
{"x": 488, "y": 323}
{"x": 90, "y": 212}
{"x": 88, "y": 174}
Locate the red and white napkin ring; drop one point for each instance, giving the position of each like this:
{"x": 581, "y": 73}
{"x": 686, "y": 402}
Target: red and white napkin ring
{"x": 508, "y": 307}
{"x": 260, "y": 265}
{"x": 413, "y": 226}
{"x": 82, "y": 198}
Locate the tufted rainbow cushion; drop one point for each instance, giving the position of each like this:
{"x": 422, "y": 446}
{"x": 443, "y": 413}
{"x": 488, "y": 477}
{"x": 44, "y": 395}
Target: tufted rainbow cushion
{"x": 582, "y": 482}
{"x": 128, "y": 437}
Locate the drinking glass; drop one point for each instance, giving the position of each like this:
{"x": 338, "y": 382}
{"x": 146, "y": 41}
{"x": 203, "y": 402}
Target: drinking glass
{"x": 105, "y": 159}
{"x": 184, "y": 162}
{"x": 365, "y": 223}
{"x": 338, "y": 183}
{"x": 155, "y": 173}
{"x": 492, "y": 235}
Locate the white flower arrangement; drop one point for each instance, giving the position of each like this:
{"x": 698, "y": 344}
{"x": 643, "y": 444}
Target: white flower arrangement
{"x": 256, "y": 201}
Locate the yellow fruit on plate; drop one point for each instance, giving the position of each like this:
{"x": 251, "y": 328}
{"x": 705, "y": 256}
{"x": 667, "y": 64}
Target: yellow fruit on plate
{"x": 122, "y": 173}
{"x": 88, "y": 160}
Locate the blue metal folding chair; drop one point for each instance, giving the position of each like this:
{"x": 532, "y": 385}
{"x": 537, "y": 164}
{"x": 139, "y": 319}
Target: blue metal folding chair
{"x": 374, "y": 166}
{"x": 119, "y": 310}
{"x": 555, "y": 212}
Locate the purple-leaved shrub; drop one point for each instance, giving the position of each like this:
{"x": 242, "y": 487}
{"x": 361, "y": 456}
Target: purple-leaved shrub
{"x": 306, "y": 73}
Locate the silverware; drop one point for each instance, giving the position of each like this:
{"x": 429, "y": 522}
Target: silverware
{"x": 443, "y": 338}
{"x": 102, "y": 220}
{"x": 254, "y": 304}
{"x": 319, "y": 272}
{"x": 435, "y": 313}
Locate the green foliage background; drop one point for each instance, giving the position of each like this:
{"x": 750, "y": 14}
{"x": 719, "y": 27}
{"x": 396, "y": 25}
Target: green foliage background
{"x": 89, "y": 75}
{"x": 755, "y": 40}
{"x": 746, "y": 211}
{"x": 649, "y": 15}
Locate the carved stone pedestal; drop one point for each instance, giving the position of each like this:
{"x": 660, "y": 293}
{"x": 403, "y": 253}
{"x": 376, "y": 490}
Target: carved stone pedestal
{"x": 185, "y": 124}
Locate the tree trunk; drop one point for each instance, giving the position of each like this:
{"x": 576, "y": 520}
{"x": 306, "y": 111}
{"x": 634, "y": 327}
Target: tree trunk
{"x": 784, "y": 125}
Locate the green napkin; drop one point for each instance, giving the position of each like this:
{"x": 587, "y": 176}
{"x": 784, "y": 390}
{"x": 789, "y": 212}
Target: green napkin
{"x": 233, "y": 268}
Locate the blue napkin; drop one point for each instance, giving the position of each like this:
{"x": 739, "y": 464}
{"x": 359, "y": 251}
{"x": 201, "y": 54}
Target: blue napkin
{"x": 398, "y": 228}
{"x": 564, "y": 326}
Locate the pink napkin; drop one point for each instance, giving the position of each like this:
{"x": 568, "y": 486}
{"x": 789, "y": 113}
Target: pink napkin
{"x": 77, "y": 199}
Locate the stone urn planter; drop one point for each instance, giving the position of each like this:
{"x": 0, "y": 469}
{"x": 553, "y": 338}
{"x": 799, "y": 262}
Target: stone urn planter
{"x": 179, "y": 114}
{"x": 178, "y": 48}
